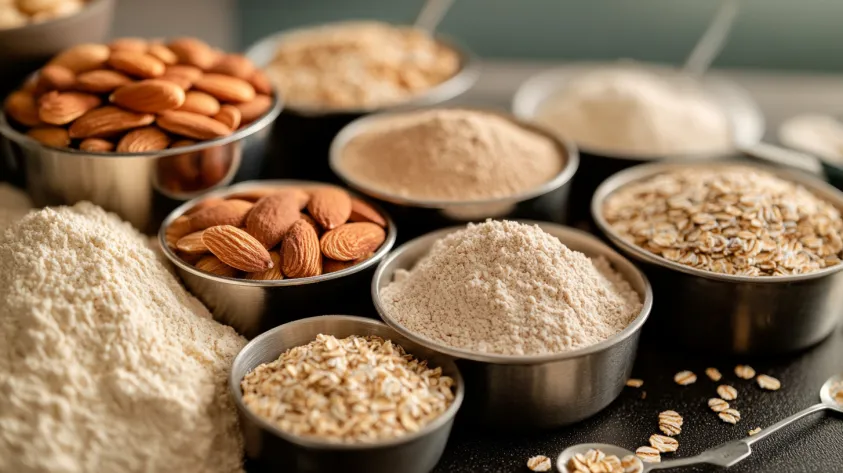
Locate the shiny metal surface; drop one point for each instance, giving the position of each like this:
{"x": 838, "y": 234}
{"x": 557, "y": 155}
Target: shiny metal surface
{"x": 543, "y": 390}
{"x": 253, "y": 307}
{"x": 137, "y": 186}
{"x": 275, "y": 450}
{"x": 734, "y": 314}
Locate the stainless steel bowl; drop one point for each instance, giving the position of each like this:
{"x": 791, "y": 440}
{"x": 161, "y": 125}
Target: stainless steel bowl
{"x": 733, "y": 314}
{"x": 301, "y": 144}
{"x": 275, "y": 450}
{"x": 416, "y": 216}
{"x": 252, "y": 307}
{"x": 535, "y": 391}
{"x": 135, "y": 186}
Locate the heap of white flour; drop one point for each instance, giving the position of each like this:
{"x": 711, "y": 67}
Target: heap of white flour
{"x": 106, "y": 363}
{"x": 509, "y": 288}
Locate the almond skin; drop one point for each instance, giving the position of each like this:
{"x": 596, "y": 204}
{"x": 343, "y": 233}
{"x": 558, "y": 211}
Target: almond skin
{"x": 61, "y": 108}
{"x": 256, "y": 193}
{"x": 97, "y": 145}
{"x": 177, "y": 229}
{"x": 192, "y": 125}
{"x": 183, "y": 83}
{"x": 129, "y": 44}
{"x": 300, "y": 254}
{"x": 230, "y": 115}
{"x": 212, "y": 264}
{"x": 107, "y": 121}
{"x": 55, "y": 77}
{"x": 192, "y": 243}
{"x": 271, "y": 217}
{"x": 331, "y": 265}
{"x": 363, "y": 212}
{"x": 229, "y": 212}
{"x": 193, "y": 52}
{"x": 137, "y": 64}
{"x": 22, "y": 108}
{"x": 83, "y": 57}
{"x": 151, "y": 95}
{"x": 204, "y": 204}
{"x": 201, "y": 103}
{"x": 142, "y": 140}
{"x": 271, "y": 274}
{"x": 226, "y": 88}
{"x": 352, "y": 241}
{"x": 235, "y": 65}
{"x": 50, "y": 136}
{"x": 101, "y": 81}
{"x": 254, "y": 109}
{"x": 213, "y": 165}
{"x": 191, "y": 73}
{"x": 307, "y": 218}
{"x": 162, "y": 53}
{"x": 261, "y": 82}
{"x": 237, "y": 248}
{"x": 330, "y": 207}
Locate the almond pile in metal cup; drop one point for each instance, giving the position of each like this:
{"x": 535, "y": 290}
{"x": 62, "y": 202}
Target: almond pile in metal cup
{"x": 139, "y": 96}
{"x": 272, "y": 233}
{"x": 17, "y": 13}
{"x": 508, "y": 288}
{"x": 735, "y": 220}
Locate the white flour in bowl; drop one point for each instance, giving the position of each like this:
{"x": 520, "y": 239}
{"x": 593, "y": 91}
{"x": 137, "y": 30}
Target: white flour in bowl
{"x": 508, "y": 288}
{"x": 106, "y": 363}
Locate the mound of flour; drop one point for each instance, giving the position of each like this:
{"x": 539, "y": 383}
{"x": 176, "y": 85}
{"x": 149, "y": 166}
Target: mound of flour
{"x": 509, "y": 288}
{"x": 106, "y": 362}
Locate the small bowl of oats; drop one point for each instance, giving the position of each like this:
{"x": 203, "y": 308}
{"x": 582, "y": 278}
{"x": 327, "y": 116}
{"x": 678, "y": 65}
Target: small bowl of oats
{"x": 343, "y": 393}
{"x": 743, "y": 258}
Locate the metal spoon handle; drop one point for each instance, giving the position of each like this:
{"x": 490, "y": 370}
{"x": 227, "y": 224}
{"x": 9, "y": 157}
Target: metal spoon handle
{"x": 711, "y": 42}
{"x": 432, "y": 13}
{"x": 784, "y": 423}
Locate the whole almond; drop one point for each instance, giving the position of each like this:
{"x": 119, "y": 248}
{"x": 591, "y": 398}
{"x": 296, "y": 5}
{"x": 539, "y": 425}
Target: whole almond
{"x": 212, "y": 264}
{"x": 101, "y": 81}
{"x": 192, "y": 259}
{"x": 50, "y": 136}
{"x": 151, "y": 95}
{"x": 307, "y": 218}
{"x": 229, "y": 115}
{"x": 229, "y": 212}
{"x": 162, "y": 53}
{"x": 235, "y": 65}
{"x": 140, "y": 140}
{"x": 201, "y": 103}
{"x": 261, "y": 82}
{"x": 191, "y": 73}
{"x": 271, "y": 217}
{"x": 97, "y": 145}
{"x": 129, "y": 44}
{"x": 271, "y": 274}
{"x": 226, "y": 88}
{"x": 137, "y": 64}
{"x": 256, "y": 193}
{"x": 254, "y": 109}
{"x": 363, "y": 212}
{"x": 183, "y": 83}
{"x": 61, "y": 108}
{"x": 106, "y": 121}
{"x": 237, "y": 248}
{"x": 352, "y": 240}
{"x": 185, "y": 167}
{"x": 193, "y": 52}
{"x": 83, "y": 57}
{"x": 204, "y": 204}
{"x": 331, "y": 265}
{"x": 54, "y": 77}
{"x": 192, "y": 243}
{"x": 329, "y": 206}
{"x": 300, "y": 254}
{"x": 22, "y": 108}
{"x": 192, "y": 125}
{"x": 177, "y": 229}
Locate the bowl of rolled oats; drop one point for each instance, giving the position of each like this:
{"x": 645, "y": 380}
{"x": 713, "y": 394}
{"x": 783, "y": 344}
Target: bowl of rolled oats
{"x": 343, "y": 393}
{"x": 744, "y": 258}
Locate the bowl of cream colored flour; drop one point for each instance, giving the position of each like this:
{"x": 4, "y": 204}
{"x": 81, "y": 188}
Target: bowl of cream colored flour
{"x": 542, "y": 319}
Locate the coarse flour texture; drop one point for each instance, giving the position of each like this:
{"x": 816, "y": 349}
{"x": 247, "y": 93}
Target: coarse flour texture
{"x": 509, "y": 288}
{"x": 106, "y": 363}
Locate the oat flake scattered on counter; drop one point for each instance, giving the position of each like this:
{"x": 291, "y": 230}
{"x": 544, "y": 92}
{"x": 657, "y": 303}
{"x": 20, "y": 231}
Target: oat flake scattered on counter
{"x": 713, "y": 374}
{"x": 634, "y": 382}
{"x": 726, "y": 392}
{"x": 107, "y": 363}
{"x": 539, "y": 463}
{"x": 508, "y": 288}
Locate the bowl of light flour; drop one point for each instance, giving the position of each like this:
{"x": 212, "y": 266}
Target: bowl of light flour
{"x": 543, "y": 319}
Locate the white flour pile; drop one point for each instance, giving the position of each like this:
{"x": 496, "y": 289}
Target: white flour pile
{"x": 633, "y": 111}
{"x": 14, "y": 204}
{"x": 451, "y": 155}
{"x": 508, "y": 288}
{"x": 106, "y": 363}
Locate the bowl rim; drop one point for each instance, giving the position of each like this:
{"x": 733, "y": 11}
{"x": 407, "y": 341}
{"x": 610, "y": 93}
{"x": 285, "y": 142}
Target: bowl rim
{"x": 461, "y": 81}
{"x": 818, "y": 188}
{"x": 91, "y": 7}
{"x": 436, "y": 424}
{"x": 614, "y": 258}
{"x": 360, "y": 125}
{"x": 537, "y": 84}
{"x": 7, "y": 130}
{"x": 391, "y": 235}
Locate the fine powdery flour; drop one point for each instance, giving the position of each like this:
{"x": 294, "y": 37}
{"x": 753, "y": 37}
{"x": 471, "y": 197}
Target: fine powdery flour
{"x": 106, "y": 363}
{"x": 508, "y": 288}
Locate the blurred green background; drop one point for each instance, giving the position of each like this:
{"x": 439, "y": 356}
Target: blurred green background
{"x": 774, "y": 34}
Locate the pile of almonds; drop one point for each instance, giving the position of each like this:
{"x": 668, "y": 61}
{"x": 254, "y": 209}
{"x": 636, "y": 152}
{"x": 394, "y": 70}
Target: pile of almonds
{"x": 17, "y": 13}
{"x": 135, "y": 96}
{"x": 265, "y": 234}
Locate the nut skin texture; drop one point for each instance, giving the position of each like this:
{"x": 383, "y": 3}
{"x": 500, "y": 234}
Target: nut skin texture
{"x": 101, "y": 81}
{"x": 22, "y": 107}
{"x": 271, "y": 217}
{"x": 226, "y": 88}
{"x": 83, "y": 57}
{"x": 301, "y": 257}
{"x": 254, "y": 109}
{"x": 106, "y": 121}
{"x": 150, "y": 96}
{"x": 192, "y": 125}
{"x": 137, "y": 64}
{"x": 162, "y": 53}
{"x": 330, "y": 207}
{"x": 363, "y": 212}
{"x": 96, "y": 145}
{"x": 192, "y": 243}
{"x": 237, "y": 248}
{"x": 352, "y": 241}
{"x": 230, "y": 115}
{"x": 201, "y": 103}
{"x": 61, "y": 108}
{"x": 142, "y": 140}
{"x": 55, "y": 77}
{"x": 194, "y": 52}
{"x": 235, "y": 65}
{"x": 229, "y": 212}
{"x": 54, "y": 136}
{"x": 212, "y": 264}
{"x": 271, "y": 274}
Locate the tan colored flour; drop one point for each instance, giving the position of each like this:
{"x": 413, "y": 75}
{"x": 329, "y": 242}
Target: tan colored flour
{"x": 106, "y": 363}
{"x": 509, "y": 288}
{"x": 451, "y": 155}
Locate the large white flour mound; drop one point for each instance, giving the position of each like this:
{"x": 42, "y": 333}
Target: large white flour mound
{"x": 106, "y": 363}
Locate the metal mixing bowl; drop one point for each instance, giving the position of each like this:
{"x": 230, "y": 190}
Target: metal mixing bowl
{"x": 301, "y": 144}
{"x": 546, "y": 202}
{"x": 252, "y": 307}
{"x": 275, "y": 450}
{"x": 134, "y": 185}
{"x": 733, "y": 314}
{"x": 543, "y": 390}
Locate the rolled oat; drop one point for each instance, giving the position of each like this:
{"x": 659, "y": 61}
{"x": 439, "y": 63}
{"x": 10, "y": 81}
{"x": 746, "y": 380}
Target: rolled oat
{"x": 539, "y": 463}
{"x": 727, "y": 392}
{"x": 664, "y": 444}
{"x": 648, "y": 454}
{"x": 684, "y": 378}
{"x": 744, "y": 372}
{"x": 717, "y": 404}
{"x": 713, "y": 374}
{"x": 768, "y": 382}
{"x": 731, "y": 416}
{"x": 632, "y": 464}
{"x": 634, "y": 382}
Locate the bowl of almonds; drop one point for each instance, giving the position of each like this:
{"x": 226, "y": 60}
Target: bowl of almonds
{"x": 137, "y": 125}
{"x": 263, "y": 253}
